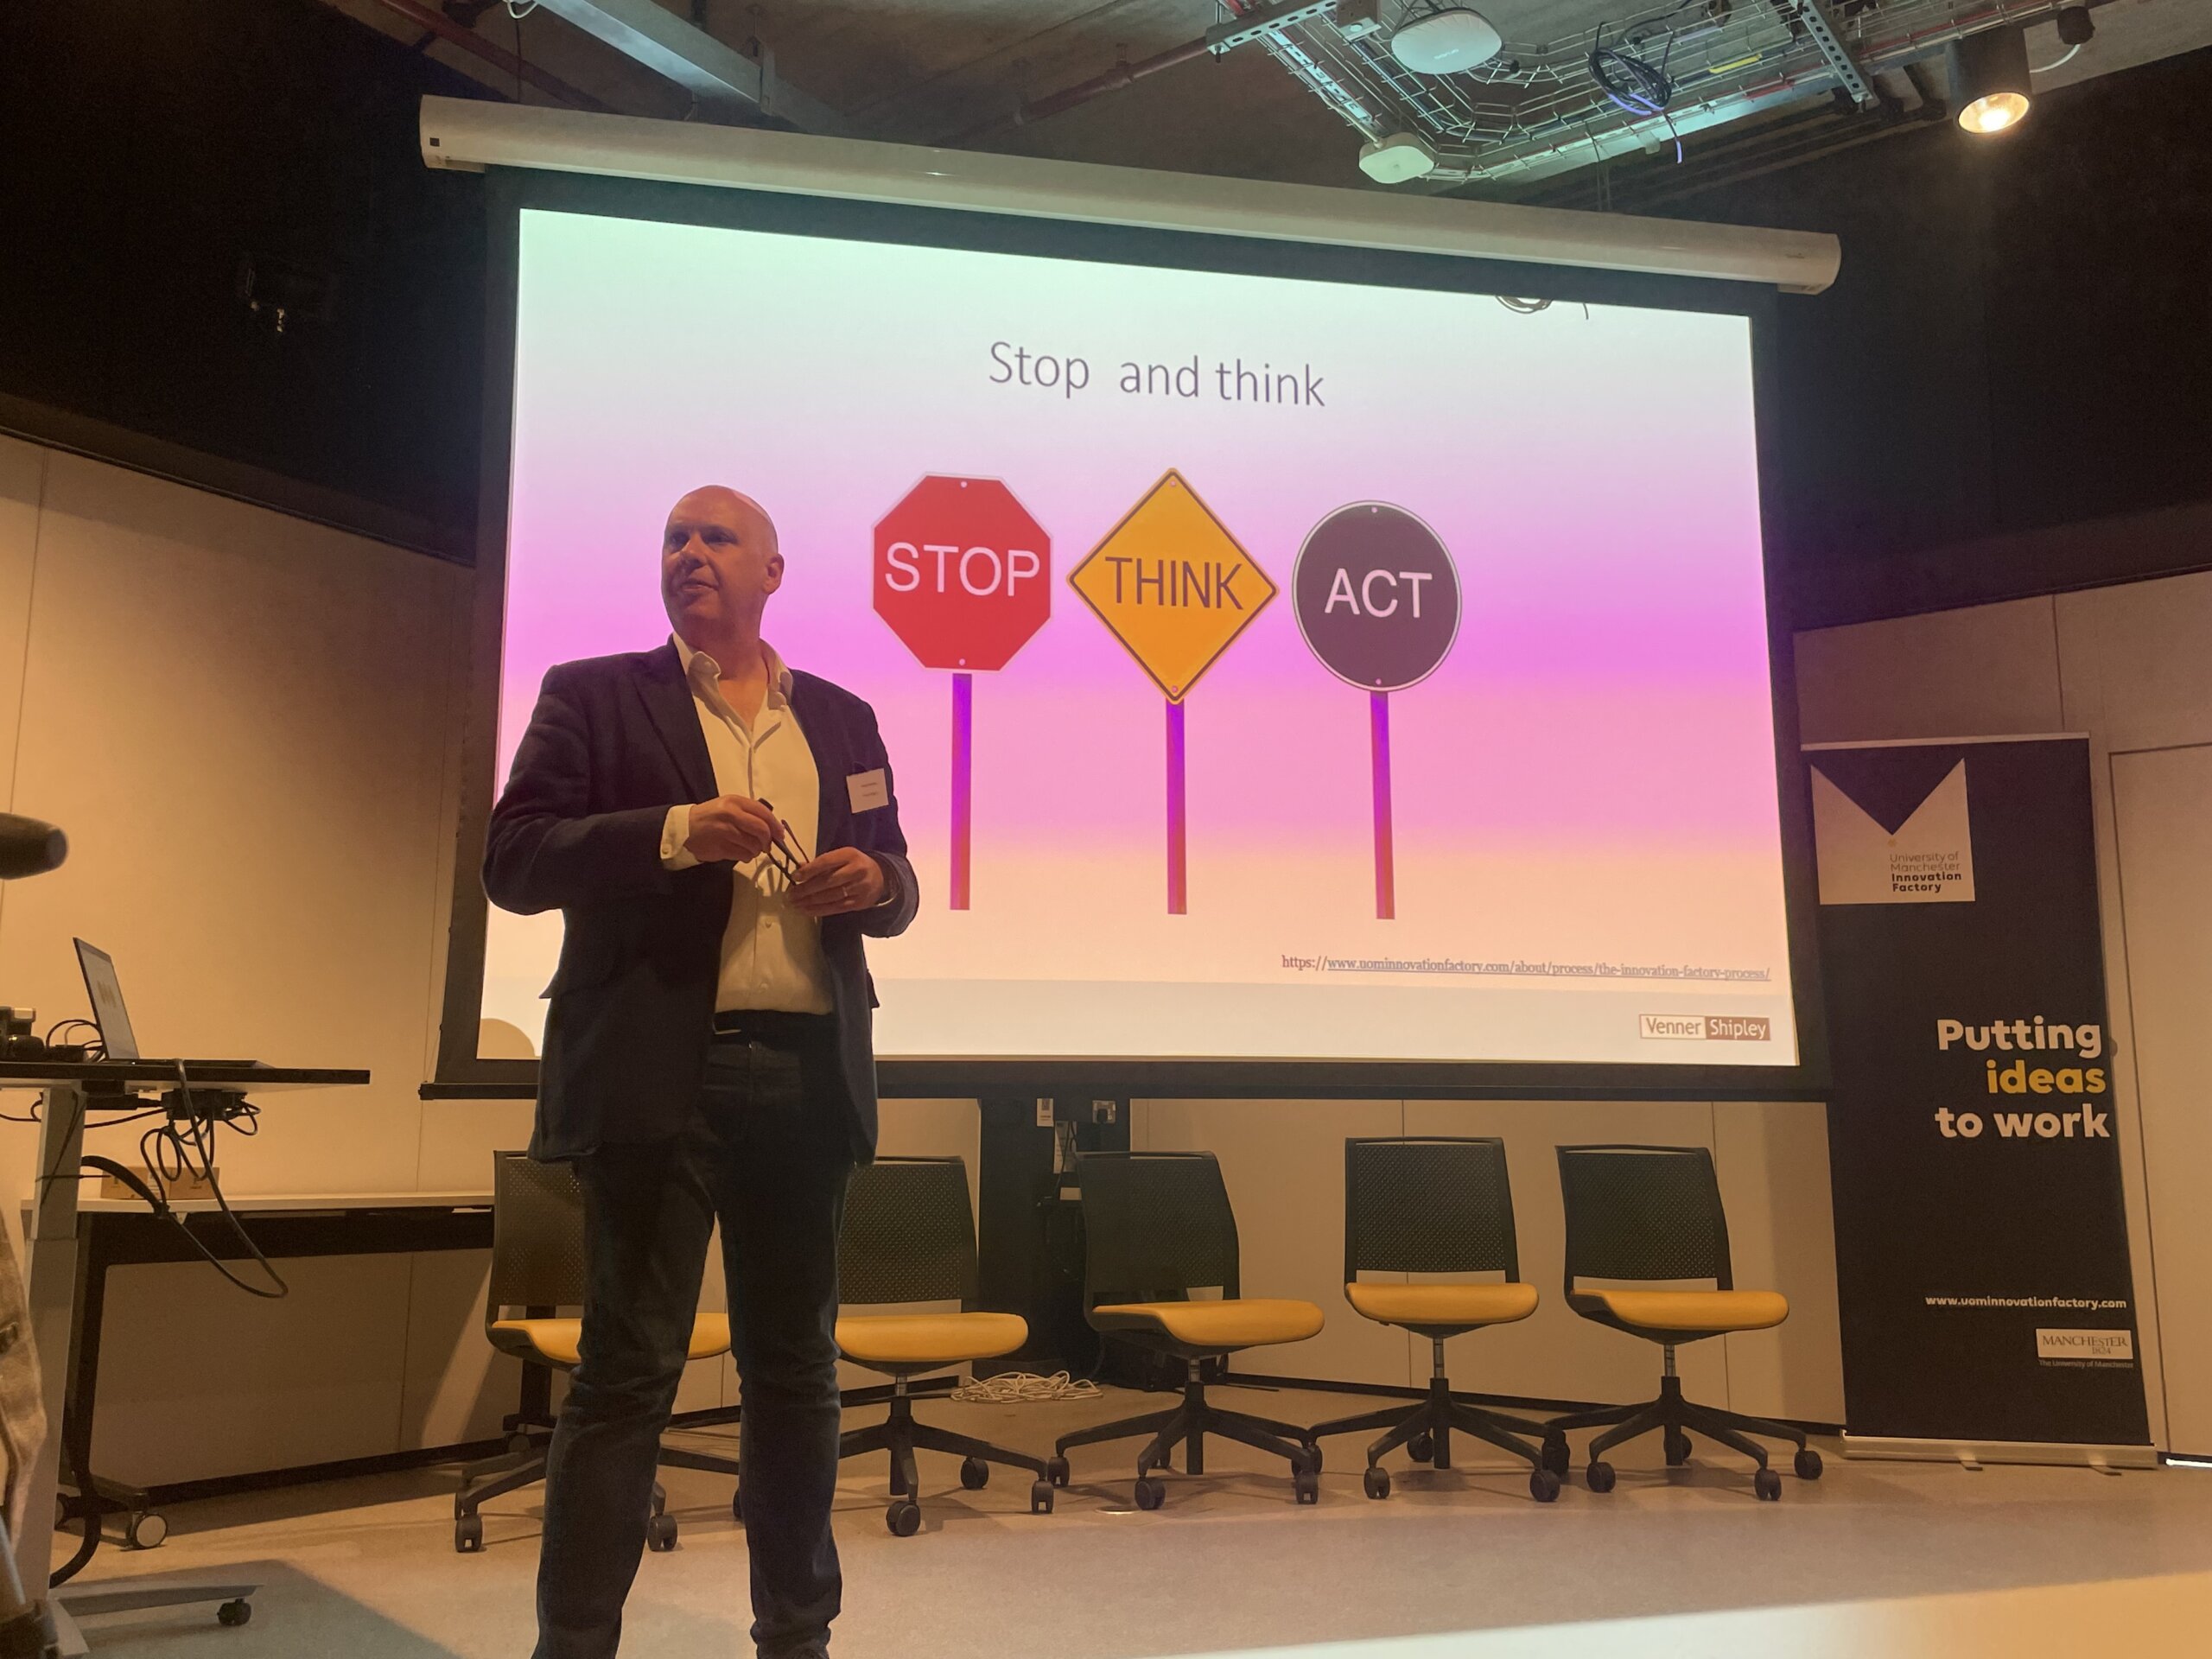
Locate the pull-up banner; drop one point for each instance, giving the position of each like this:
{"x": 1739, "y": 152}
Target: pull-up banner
{"x": 1981, "y": 1237}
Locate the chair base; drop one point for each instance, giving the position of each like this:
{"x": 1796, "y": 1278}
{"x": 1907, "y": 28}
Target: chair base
{"x": 1188, "y": 1424}
{"x": 1677, "y": 1419}
{"x": 1434, "y": 1419}
{"x": 515, "y": 1469}
{"x": 902, "y": 1434}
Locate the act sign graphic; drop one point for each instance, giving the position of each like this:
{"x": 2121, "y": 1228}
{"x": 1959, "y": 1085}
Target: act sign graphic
{"x": 1378, "y": 601}
{"x": 963, "y": 576}
{"x": 1175, "y": 589}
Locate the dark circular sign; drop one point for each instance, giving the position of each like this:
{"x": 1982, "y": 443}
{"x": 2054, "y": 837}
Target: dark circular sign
{"x": 1376, "y": 596}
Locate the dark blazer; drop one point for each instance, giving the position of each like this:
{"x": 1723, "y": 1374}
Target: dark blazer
{"x": 613, "y": 743}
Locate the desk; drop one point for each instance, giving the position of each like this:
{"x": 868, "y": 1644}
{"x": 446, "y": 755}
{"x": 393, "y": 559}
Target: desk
{"x": 123, "y": 1232}
{"x": 71, "y": 1093}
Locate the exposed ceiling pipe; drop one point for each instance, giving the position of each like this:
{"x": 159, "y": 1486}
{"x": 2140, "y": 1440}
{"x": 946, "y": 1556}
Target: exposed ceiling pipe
{"x": 1122, "y": 74}
{"x": 724, "y": 84}
{"x": 498, "y": 57}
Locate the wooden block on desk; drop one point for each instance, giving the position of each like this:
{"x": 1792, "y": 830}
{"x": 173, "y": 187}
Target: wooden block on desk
{"x": 190, "y": 1185}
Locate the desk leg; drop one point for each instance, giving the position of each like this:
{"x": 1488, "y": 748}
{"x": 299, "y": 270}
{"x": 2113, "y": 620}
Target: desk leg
{"x": 52, "y": 1293}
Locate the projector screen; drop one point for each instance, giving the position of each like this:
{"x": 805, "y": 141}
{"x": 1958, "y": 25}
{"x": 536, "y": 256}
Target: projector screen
{"x": 1368, "y": 677}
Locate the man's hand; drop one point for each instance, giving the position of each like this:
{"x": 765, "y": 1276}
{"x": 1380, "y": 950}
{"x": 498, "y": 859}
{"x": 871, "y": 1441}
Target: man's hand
{"x": 732, "y": 828}
{"x": 843, "y": 878}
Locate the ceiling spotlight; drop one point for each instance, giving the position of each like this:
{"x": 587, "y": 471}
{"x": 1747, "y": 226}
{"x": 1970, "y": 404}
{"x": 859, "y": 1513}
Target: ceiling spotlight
{"x": 1449, "y": 39}
{"x": 1989, "y": 80}
{"x": 1401, "y": 157}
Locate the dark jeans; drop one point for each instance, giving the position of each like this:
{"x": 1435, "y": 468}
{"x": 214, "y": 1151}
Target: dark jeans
{"x": 768, "y": 1152}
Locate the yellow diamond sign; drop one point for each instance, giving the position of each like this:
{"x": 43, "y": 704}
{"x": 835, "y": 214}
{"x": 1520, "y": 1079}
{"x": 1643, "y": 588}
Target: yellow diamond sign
{"x": 1172, "y": 585}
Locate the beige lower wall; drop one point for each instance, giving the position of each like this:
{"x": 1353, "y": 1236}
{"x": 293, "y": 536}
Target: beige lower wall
{"x": 1283, "y": 1164}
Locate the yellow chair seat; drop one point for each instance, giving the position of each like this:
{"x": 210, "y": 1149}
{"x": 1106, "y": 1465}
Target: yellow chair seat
{"x": 1693, "y": 1310}
{"x": 929, "y": 1339}
{"x": 1433, "y": 1305}
{"x": 1213, "y": 1327}
{"x": 555, "y": 1341}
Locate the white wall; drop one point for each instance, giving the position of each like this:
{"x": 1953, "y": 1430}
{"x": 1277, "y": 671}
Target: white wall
{"x": 2131, "y": 667}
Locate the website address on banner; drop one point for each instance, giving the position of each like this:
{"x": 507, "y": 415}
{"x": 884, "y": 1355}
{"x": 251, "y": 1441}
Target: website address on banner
{"x": 2097, "y": 1304}
{"x": 1321, "y": 963}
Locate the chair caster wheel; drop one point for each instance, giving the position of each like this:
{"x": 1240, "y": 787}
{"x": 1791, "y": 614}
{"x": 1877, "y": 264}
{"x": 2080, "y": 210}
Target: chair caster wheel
{"x": 1557, "y": 1457}
{"x": 1421, "y": 1448}
{"x": 1375, "y": 1483}
{"x": 1310, "y": 1461}
{"x": 1599, "y": 1474}
{"x": 975, "y": 1474}
{"x": 1150, "y": 1493}
{"x": 467, "y": 1535}
{"x": 234, "y": 1612}
{"x": 143, "y": 1530}
{"x": 660, "y": 1533}
{"x": 903, "y": 1517}
{"x": 1767, "y": 1485}
{"x": 1808, "y": 1464}
{"x": 518, "y": 1445}
{"x": 1307, "y": 1485}
{"x": 1543, "y": 1485}
{"x": 1056, "y": 1471}
{"x": 737, "y": 1505}
{"x": 1678, "y": 1448}
{"x": 1040, "y": 1498}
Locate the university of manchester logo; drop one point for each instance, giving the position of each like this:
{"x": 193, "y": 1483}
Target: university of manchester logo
{"x": 1892, "y": 851}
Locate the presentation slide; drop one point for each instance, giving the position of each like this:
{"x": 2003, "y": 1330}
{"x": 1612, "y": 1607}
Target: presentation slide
{"x": 1272, "y": 669}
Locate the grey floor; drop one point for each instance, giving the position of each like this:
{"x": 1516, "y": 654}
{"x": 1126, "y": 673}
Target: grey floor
{"x": 367, "y": 1567}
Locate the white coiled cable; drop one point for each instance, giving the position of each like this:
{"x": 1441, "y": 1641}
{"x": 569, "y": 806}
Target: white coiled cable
{"x": 1024, "y": 1388}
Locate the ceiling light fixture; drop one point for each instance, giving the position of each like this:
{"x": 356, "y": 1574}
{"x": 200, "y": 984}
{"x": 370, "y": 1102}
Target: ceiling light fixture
{"x": 1989, "y": 80}
{"x": 1449, "y": 39}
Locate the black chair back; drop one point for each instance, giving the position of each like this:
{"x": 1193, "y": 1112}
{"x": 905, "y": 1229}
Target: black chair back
{"x": 1439, "y": 1203}
{"x": 538, "y": 1236}
{"x": 1157, "y": 1225}
{"x": 909, "y": 1233}
{"x": 1644, "y": 1213}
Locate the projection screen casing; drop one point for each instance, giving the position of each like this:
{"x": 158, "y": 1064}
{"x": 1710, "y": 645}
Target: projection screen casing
{"x": 1590, "y": 807}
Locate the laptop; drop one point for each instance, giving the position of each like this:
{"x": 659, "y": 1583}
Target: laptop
{"x": 110, "y": 1014}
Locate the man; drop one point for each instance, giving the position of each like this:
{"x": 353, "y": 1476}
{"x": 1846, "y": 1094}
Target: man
{"x": 718, "y": 832}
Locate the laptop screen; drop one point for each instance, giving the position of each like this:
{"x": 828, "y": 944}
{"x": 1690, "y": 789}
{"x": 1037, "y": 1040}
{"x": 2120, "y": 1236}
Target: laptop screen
{"x": 108, "y": 1011}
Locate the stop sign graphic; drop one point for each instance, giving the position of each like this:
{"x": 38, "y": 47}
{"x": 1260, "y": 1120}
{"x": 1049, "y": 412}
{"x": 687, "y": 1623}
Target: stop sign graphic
{"x": 964, "y": 575}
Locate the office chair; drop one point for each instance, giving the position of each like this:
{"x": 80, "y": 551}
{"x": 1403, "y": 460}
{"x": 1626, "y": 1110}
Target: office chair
{"x": 909, "y": 1237}
{"x": 537, "y": 1270}
{"x": 1435, "y": 1204}
{"x": 1157, "y": 1226}
{"x": 1653, "y": 1213}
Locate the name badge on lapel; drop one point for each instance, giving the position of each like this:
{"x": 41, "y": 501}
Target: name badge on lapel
{"x": 868, "y": 789}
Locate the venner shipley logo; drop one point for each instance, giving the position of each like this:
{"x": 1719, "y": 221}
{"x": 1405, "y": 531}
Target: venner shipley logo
{"x": 2107, "y": 1347}
{"x": 1706, "y": 1027}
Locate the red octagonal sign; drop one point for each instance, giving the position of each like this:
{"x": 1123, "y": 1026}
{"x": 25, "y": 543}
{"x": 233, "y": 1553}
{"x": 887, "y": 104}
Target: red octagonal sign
{"x": 964, "y": 575}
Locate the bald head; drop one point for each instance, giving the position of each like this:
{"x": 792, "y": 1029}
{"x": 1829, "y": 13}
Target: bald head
{"x": 718, "y": 503}
{"x": 719, "y": 564}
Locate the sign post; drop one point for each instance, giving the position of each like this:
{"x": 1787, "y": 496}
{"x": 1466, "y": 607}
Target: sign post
{"x": 1377, "y": 599}
{"x": 1174, "y": 588}
{"x": 963, "y": 576}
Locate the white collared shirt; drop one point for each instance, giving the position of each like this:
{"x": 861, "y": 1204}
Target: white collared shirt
{"x": 772, "y": 955}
